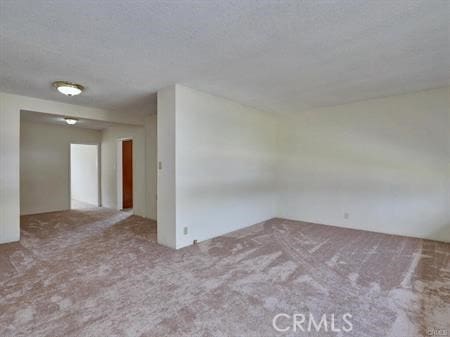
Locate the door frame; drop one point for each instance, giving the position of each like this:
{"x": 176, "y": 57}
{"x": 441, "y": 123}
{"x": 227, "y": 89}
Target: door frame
{"x": 119, "y": 174}
{"x": 99, "y": 172}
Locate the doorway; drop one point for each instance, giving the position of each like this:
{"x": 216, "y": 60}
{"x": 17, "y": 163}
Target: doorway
{"x": 84, "y": 176}
{"x": 127, "y": 174}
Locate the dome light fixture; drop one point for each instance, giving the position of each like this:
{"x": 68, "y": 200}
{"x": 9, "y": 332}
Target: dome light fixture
{"x": 71, "y": 121}
{"x": 68, "y": 88}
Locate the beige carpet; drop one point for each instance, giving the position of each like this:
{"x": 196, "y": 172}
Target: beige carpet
{"x": 100, "y": 273}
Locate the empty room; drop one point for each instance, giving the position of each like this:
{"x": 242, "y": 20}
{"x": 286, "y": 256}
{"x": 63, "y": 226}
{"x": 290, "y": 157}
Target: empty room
{"x": 224, "y": 168}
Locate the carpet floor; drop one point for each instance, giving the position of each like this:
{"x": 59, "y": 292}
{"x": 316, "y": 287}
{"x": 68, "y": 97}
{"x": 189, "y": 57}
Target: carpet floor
{"x": 100, "y": 272}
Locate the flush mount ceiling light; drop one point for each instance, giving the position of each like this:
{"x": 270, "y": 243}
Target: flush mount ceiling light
{"x": 71, "y": 121}
{"x": 68, "y": 88}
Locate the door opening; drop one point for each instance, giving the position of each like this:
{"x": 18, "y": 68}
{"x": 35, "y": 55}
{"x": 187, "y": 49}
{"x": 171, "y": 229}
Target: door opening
{"x": 84, "y": 176}
{"x": 127, "y": 174}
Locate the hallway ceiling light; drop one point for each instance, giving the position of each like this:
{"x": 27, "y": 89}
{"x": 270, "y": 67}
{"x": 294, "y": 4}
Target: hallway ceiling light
{"x": 71, "y": 121}
{"x": 68, "y": 88}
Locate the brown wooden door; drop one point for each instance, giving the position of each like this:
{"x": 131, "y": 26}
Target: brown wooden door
{"x": 127, "y": 174}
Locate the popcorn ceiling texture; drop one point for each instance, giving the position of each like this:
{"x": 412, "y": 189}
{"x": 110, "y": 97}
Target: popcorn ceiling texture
{"x": 282, "y": 56}
{"x": 101, "y": 273}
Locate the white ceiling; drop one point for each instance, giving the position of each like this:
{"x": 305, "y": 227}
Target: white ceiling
{"x": 40, "y": 117}
{"x": 282, "y": 56}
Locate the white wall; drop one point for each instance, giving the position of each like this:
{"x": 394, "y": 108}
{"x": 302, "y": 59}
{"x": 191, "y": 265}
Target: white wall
{"x": 45, "y": 165}
{"x": 9, "y": 170}
{"x": 385, "y": 162}
{"x": 109, "y": 170}
{"x": 166, "y": 203}
{"x": 223, "y": 164}
{"x": 151, "y": 165}
{"x": 84, "y": 184}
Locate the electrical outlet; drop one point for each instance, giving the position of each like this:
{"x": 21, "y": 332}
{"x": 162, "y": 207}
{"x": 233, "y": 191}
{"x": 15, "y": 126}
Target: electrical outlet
{"x": 185, "y": 230}
{"x": 346, "y": 215}
{"x": 160, "y": 165}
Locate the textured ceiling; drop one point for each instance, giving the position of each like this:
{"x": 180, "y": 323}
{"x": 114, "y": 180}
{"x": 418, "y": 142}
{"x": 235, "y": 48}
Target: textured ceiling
{"x": 282, "y": 56}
